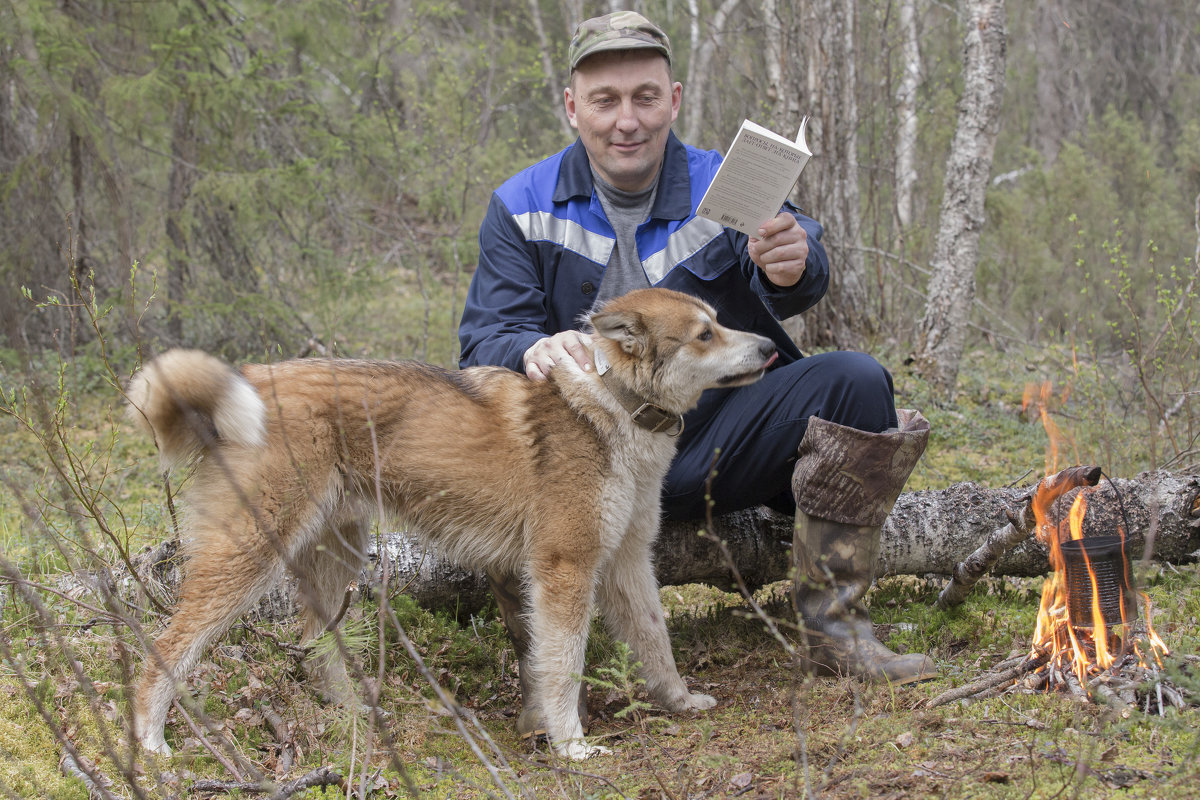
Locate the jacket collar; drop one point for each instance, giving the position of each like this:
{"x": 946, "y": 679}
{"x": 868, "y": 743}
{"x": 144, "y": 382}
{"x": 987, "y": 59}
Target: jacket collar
{"x": 674, "y": 198}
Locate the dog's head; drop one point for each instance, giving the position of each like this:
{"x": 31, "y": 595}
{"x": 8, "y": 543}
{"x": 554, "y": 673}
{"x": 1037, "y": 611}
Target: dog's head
{"x": 668, "y": 347}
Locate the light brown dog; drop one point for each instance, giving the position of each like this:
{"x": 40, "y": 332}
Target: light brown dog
{"x": 555, "y": 481}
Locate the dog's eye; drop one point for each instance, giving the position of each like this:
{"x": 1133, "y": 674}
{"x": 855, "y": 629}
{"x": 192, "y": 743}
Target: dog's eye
{"x": 705, "y": 335}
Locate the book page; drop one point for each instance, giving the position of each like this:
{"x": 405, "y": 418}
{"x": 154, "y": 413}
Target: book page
{"x": 754, "y": 180}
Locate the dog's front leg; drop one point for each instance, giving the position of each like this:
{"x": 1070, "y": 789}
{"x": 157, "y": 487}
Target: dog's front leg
{"x": 561, "y": 599}
{"x": 633, "y": 613}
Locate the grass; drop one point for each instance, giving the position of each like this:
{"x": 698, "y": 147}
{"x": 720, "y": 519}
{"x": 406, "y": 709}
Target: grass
{"x": 774, "y": 730}
{"x": 67, "y": 658}
{"x": 774, "y": 733}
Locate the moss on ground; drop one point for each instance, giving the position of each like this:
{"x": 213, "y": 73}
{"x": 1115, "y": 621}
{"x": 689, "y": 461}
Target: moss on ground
{"x": 774, "y": 733}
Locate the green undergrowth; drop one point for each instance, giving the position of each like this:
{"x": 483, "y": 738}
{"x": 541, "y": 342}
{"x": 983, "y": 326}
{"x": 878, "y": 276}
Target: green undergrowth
{"x": 449, "y": 704}
{"x": 774, "y": 729}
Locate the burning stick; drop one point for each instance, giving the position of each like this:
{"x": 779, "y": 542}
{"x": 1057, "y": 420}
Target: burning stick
{"x": 979, "y": 563}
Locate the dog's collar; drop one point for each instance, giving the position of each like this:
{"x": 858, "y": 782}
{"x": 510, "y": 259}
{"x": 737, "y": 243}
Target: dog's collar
{"x": 643, "y": 413}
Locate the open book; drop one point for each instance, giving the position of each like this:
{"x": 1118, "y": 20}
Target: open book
{"x": 757, "y": 175}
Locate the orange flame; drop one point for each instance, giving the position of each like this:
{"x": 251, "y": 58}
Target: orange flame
{"x": 1038, "y": 398}
{"x": 1082, "y": 646}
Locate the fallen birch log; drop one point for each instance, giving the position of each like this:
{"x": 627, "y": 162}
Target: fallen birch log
{"x": 1021, "y": 525}
{"x": 928, "y": 532}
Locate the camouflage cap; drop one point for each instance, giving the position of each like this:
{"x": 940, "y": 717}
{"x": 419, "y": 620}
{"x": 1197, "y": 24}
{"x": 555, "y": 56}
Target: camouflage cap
{"x": 620, "y": 30}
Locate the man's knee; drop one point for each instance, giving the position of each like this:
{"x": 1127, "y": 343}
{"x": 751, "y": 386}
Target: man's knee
{"x": 850, "y": 388}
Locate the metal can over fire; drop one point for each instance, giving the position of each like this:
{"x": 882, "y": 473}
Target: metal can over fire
{"x": 1109, "y": 578}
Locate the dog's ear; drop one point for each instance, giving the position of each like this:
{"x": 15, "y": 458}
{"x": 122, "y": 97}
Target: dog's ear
{"x": 623, "y": 327}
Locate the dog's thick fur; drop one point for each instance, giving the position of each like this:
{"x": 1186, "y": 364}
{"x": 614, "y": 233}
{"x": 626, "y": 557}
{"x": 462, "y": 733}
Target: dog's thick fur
{"x": 550, "y": 480}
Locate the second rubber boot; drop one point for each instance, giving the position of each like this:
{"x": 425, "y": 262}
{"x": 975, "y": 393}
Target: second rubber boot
{"x": 510, "y": 600}
{"x": 846, "y": 482}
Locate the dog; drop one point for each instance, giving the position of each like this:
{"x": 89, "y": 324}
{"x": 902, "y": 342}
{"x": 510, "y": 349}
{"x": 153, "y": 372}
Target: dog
{"x": 556, "y": 481}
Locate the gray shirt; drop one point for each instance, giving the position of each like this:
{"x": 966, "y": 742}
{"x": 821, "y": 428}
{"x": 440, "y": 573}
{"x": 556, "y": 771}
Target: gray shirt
{"x": 625, "y": 211}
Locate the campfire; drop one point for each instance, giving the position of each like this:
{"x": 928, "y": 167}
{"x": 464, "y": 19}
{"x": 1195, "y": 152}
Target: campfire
{"x": 1090, "y": 640}
{"x": 1088, "y": 632}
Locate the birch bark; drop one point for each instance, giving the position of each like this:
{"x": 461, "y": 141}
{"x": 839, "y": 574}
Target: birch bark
{"x": 906, "y": 113}
{"x": 704, "y": 45}
{"x": 942, "y": 331}
{"x": 927, "y": 532}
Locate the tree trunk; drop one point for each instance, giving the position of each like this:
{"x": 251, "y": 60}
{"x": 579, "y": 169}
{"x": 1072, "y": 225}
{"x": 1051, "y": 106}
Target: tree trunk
{"x": 829, "y": 188}
{"x": 699, "y": 68}
{"x": 572, "y": 14}
{"x": 772, "y": 44}
{"x": 928, "y": 532}
{"x": 943, "y": 330}
{"x": 906, "y": 113}
{"x": 554, "y": 88}
{"x": 179, "y": 187}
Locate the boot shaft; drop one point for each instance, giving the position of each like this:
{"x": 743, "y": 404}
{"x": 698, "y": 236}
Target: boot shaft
{"x": 846, "y": 482}
{"x": 854, "y": 477}
{"x": 835, "y": 565}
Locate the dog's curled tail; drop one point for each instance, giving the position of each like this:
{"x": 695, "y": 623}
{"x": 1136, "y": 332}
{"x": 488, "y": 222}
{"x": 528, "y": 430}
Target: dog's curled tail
{"x": 190, "y": 401}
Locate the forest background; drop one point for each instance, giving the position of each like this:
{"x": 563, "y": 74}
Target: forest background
{"x": 267, "y": 180}
{"x": 291, "y": 177}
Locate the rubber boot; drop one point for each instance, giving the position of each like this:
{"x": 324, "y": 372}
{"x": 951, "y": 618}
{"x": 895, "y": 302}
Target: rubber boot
{"x": 510, "y": 600}
{"x": 846, "y": 482}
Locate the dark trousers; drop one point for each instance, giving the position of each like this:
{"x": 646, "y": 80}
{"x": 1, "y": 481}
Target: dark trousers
{"x": 746, "y": 438}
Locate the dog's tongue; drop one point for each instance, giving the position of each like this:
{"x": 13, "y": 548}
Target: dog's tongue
{"x": 774, "y": 357}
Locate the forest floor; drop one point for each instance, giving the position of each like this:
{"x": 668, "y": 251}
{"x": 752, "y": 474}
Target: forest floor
{"x": 66, "y": 667}
{"x": 775, "y": 733}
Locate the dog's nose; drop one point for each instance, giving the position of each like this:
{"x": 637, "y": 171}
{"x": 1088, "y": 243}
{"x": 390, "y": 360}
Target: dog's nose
{"x": 766, "y": 347}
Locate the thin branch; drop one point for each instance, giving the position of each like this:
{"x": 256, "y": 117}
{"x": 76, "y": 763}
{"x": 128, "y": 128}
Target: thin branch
{"x": 988, "y": 682}
{"x": 226, "y": 763}
{"x": 968, "y": 572}
{"x": 322, "y": 777}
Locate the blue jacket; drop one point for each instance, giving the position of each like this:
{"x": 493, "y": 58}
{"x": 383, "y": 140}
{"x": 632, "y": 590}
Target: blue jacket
{"x": 545, "y": 242}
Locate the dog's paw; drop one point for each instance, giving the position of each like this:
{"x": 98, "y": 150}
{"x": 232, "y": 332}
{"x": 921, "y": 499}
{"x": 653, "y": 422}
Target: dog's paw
{"x": 697, "y": 702}
{"x": 578, "y": 750}
{"x": 156, "y": 745}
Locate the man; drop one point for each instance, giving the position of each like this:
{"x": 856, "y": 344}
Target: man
{"x": 615, "y": 211}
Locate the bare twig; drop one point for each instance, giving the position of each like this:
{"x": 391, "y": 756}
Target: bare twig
{"x": 233, "y": 770}
{"x": 988, "y": 682}
{"x": 341, "y": 612}
{"x": 322, "y": 776}
{"x": 282, "y": 736}
{"x": 28, "y": 684}
{"x": 1020, "y": 524}
{"x": 968, "y": 572}
{"x": 296, "y": 651}
{"x": 459, "y": 715}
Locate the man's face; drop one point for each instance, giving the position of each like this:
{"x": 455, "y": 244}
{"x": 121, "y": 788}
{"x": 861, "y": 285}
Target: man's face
{"x": 623, "y": 103}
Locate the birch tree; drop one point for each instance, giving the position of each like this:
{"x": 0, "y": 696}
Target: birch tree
{"x": 813, "y": 47}
{"x": 553, "y": 84}
{"x": 843, "y": 319}
{"x": 942, "y": 332}
{"x": 906, "y": 112}
{"x": 703, "y": 43}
